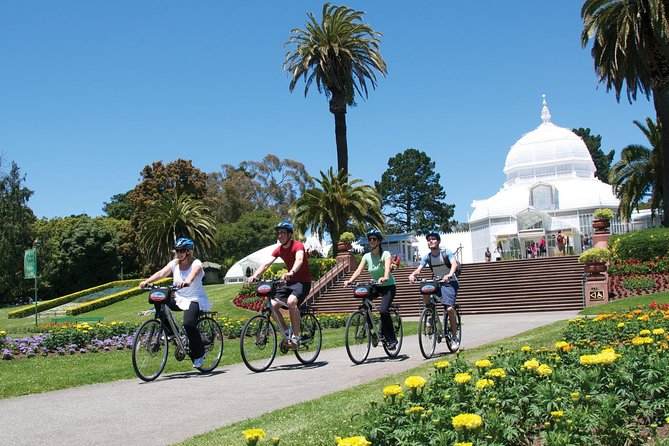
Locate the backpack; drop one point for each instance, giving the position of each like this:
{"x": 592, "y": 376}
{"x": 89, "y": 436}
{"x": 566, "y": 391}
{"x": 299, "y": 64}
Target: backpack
{"x": 560, "y": 239}
{"x": 447, "y": 262}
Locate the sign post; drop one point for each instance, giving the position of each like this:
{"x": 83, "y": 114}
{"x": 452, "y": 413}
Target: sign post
{"x": 30, "y": 271}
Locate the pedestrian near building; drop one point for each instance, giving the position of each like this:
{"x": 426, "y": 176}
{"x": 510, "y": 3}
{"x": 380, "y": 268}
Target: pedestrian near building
{"x": 487, "y": 254}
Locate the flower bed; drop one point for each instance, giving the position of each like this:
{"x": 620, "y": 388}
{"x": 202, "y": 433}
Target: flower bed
{"x": 626, "y": 285}
{"x": 604, "y": 384}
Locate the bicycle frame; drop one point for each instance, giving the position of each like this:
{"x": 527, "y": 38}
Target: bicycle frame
{"x": 369, "y": 307}
{"x": 269, "y": 309}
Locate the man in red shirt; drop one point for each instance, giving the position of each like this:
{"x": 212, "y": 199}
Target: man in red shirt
{"x": 297, "y": 280}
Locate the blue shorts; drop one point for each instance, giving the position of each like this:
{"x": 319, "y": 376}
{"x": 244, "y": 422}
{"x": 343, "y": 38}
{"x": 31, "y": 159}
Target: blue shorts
{"x": 449, "y": 291}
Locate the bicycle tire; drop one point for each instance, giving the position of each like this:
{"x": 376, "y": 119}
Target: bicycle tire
{"x": 358, "y": 337}
{"x": 427, "y": 332}
{"x": 449, "y": 337}
{"x": 257, "y": 343}
{"x": 212, "y": 338}
{"x": 149, "y": 350}
{"x": 311, "y": 339}
{"x": 399, "y": 333}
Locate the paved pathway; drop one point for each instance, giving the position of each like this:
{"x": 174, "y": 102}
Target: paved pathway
{"x": 132, "y": 412}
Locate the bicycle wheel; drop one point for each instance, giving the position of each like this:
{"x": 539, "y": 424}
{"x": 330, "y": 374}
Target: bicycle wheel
{"x": 453, "y": 346}
{"x": 311, "y": 339}
{"x": 212, "y": 338}
{"x": 399, "y": 333}
{"x": 149, "y": 350}
{"x": 427, "y": 332}
{"x": 257, "y": 343}
{"x": 358, "y": 337}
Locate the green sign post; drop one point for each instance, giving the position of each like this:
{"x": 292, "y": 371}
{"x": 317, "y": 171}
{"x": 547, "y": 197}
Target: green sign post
{"x": 30, "y": 271}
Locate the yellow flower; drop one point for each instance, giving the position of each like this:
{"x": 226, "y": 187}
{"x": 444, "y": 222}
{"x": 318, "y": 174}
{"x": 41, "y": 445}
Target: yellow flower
{"x": 544, "y": 370}
{"x": 561, "y": 344}
{"x": 483, "y": 383}
{"x": 575, "y": 396}
{"x": 557, "y": 414}
{"x": 441, "y": 365}
{"x": 253, "y": 434}
{"x": 621, "y": 324}
{"x": 642, "y": 340}
{"x": 392, "y": 390}
{"x": 414, "y": 409}
{"x": 467, "y": 421}
{"x": 352, "y": 441}
{"x": 496, "y": 373}
{"x": 657, "y": 331}
{"x": 644, "y": 332}
{"x": 531, "y": 364}
{"x": 483, "y": 363}
{"x": 469, "y": 443}
{"x": 526, "y": 348}
{"x": 415, "y": 382}
{"x": 462, "y": 378}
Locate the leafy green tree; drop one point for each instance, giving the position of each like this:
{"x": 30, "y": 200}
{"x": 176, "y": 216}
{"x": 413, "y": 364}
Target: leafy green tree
{"x": 230, "y": 194}
{"x": 602, "y": 161}
{"x": 75, "y": 253}
{"x": 16, "y": 233}
{"x": 337, "y": 205}
{"x": 119, "y": 207}
{"x": 411, "y": 194}
{"x": 340, "y": 54}
{"x": 630, "y": 45}
{"x": 251, "y": 232}
{"x": 169, "y": 218}
{"x": 639, "y": 172}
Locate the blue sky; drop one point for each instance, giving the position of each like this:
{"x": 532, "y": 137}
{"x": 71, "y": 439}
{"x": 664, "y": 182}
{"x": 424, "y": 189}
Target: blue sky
{"x": 92, "y": 91}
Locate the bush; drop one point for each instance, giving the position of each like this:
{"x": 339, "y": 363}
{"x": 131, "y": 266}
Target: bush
{"x": 347, "y": 237}
{"x": 644, "y": 245}
{"x": 595, "y": 255}
{"x": 603, "y": 214}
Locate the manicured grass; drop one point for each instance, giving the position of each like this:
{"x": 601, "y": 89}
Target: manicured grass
{"x": 317, "y": 422}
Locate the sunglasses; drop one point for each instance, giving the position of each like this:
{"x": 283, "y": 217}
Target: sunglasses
{"x": 180, "y": 251}
{"x": 372, "y": 239}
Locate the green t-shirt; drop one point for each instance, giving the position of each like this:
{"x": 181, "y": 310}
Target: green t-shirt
{"x": 377, "y": 267}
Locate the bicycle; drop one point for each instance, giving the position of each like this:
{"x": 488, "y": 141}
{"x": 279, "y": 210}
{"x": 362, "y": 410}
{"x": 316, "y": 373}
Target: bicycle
{"x": 361, "y": 327}
{"x": 258, "y": 340}
{"x": 431, "y": 330}
{"x": 151, "y": 343}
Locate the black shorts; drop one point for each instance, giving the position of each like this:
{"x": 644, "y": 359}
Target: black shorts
{"x": 299, "y": 289}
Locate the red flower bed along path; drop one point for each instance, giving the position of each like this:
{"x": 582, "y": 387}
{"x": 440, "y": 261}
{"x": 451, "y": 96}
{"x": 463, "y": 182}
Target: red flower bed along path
{"x": 249, "y": 302}
{"x": 626, "y": 285}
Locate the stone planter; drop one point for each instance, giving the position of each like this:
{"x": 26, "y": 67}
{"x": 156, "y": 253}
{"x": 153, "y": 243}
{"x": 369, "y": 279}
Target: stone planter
{"x": 601, "y": 226}
{"x": 594, "y": 269}
{"x": 344, "y": 247}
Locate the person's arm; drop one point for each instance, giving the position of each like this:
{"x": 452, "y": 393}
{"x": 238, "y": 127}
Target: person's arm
{"x": 167, "y": 269}
{"x": 299, "y": 258}
{"x": 356, "y": 273}
{"x": 454, "y": 267}
{"x": 386, "y": 273}
{"x": 412, "y": 276}
{"x": 261, "y": 269}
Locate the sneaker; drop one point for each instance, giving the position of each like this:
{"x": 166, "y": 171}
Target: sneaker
{"x": 392, "y": 345}
{"x": 455, "y": 343}
{"x": 294, "y": 341}
{"x": 199, "y": 362}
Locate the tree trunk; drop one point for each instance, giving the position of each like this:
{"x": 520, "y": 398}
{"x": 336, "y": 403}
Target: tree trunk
{"x": 338, "y": 109}
{"x": 661, "y": 102}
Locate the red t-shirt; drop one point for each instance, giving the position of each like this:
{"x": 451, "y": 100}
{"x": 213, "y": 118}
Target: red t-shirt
{"x": 288, "y": 256}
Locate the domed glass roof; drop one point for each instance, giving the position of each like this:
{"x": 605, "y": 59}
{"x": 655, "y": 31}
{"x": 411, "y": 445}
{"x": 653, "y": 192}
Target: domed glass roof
{"x": 548, "y": 151}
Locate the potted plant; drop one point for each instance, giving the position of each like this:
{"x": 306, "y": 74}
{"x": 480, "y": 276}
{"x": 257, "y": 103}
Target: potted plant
{"x": 595, "y": 260}
{"x": 601, "y": 220}
{"x": 345, "y": 242}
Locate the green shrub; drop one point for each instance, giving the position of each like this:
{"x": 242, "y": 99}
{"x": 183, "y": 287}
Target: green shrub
{"x": 603, "y": 214}
{"x": 595, "y": 255}
{"x": 108, "y": 300}
{"x": 644, "y": 245}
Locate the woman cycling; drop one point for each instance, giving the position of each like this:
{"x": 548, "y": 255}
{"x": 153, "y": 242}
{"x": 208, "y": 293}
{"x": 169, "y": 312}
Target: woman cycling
{"x": 190, "y": 298}
{"x": 378, "y": 264}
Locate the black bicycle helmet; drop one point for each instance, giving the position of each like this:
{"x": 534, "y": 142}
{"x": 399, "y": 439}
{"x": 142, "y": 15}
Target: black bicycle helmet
{"x": 288, "y": 226}
{"x": 434, "y": 234}
{"x": 184, "y": 243}
{"x": 376, "y": 233}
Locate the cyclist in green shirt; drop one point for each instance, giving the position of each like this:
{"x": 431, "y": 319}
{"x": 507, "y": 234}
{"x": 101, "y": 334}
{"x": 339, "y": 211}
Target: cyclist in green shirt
{"x": 379, "y": 265}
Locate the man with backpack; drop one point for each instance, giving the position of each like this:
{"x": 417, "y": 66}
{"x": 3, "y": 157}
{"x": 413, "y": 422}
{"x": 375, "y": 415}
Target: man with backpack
{"x": 560, "y": 241}
{"x": 443, "y": 264}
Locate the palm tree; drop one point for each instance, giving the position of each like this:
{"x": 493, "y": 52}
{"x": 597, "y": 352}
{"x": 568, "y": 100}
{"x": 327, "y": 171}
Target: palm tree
{"x": 341, "y": 54}
{"x": 631, "y": 45}
{"x": 172, "y": 217}
{"x": 639, "y": 171}
{"x": 337, "y": 205}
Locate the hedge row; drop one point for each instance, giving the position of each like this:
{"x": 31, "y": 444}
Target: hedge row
{"x": 48, "y": 304}
{"x": 645, "y": 245}
{"x": 112, "y": 299}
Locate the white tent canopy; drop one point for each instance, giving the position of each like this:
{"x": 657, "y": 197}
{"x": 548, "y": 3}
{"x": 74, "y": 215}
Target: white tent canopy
{"x": 237, "y": 273}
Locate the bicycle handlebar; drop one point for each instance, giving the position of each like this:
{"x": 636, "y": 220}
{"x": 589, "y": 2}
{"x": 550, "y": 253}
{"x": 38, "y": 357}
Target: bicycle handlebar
{"x": 357, "y": 284}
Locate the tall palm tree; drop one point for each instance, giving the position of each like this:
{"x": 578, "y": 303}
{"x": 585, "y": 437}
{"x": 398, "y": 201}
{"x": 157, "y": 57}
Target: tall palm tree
{"x": 341, "y": 54}
{"x": 172, "y": 217}
{"x": 639, "y": 171}
{"x": 631, "y": 46}
{"x": 337, "y": 204}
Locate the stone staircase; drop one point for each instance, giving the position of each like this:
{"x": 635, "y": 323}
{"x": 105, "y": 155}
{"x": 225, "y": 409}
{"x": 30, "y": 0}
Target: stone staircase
{"x": 510, "y": 286}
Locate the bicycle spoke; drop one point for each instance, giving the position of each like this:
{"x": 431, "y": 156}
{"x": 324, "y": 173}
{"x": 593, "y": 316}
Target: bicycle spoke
{"x": 212, "y": 338}
{"x": 258, "y": 343}
{"x": 311, "y": 339}
{"x": 149, "y": 350}
{"x": 358, "y": 338}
